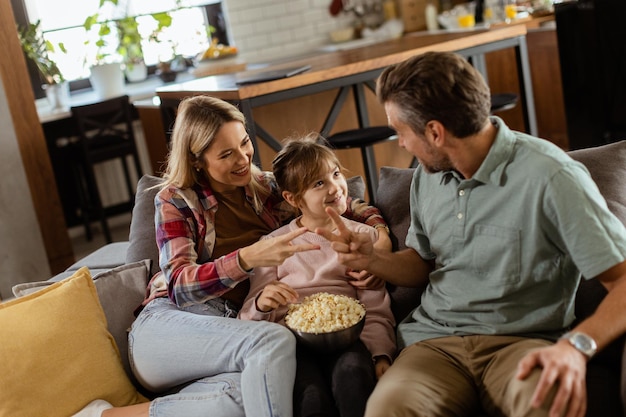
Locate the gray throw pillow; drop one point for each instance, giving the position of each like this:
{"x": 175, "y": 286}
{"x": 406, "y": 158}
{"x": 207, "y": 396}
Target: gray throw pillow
{"x": 392, "y": 200}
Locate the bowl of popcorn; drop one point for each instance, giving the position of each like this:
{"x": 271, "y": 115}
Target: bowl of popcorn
{"x": 326, "y": 322}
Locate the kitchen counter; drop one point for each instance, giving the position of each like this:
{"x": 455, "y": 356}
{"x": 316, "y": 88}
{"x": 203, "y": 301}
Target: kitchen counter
{"x": 336, "y": 64}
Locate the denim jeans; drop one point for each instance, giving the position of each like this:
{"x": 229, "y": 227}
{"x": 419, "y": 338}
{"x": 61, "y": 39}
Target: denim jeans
{"x": 228, "y": 367}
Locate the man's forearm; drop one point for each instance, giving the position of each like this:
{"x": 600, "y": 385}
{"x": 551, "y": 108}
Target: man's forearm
{"x": 405, "y": 268}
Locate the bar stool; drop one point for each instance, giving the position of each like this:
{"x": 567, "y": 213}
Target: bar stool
{"x": 365, "y": 139}
{"x": 105, "y": 132}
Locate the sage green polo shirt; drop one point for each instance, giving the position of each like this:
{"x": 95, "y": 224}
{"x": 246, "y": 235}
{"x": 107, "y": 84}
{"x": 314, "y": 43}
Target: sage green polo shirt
{"x": 509, "y": 244}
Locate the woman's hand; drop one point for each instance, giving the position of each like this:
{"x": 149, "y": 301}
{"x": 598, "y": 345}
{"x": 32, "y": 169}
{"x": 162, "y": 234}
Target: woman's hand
{"x": 273, "y": 251}
{"x": 275, "y": 295}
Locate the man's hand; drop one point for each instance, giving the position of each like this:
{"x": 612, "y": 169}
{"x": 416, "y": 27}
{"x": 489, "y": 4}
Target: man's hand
{"x": 274, "y": 251}
{"x": 353, "y": 249}
{"x": 561, "y": 364}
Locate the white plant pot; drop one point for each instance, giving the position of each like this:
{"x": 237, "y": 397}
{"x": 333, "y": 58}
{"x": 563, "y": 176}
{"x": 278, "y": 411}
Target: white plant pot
{"x": 136, "y": 72}
{"x": 58, "y": 95}
{"x": 107, "y": 80}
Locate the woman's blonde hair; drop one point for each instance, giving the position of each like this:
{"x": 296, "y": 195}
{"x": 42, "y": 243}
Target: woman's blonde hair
{"x": 198, "y": 120}
{"x": 300, "y": 162}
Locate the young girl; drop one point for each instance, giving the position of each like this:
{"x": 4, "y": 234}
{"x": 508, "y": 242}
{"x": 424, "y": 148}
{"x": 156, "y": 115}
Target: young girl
{"x": 311, "y": 180}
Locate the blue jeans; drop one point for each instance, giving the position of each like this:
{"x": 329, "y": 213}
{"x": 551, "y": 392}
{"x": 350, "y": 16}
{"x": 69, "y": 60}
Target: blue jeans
{"x": 228, "y": 367}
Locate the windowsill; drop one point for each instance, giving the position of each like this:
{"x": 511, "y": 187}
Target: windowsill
{"x": 136, "y": 91}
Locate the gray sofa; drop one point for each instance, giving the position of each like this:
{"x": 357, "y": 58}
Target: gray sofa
{"x": 607, "y": 165}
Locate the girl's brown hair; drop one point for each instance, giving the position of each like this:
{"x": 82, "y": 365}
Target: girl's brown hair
{"x": 300, "y": 162}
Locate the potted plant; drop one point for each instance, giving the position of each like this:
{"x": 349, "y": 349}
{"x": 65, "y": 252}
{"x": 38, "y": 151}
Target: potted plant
{"x": 129, "y": 49}
{"x": 38, "y": 50}
{"x": 107, "y": 77}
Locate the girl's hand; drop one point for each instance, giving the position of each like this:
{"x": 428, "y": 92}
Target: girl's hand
{"x": 363, "y": 280}
{"x": 273, "y": 251}
{"x": 353, "y": 249}
{"x": 275, "y": 295}
{"x": 381, "y": 364}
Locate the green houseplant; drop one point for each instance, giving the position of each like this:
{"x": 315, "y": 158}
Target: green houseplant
{"x": 37, "y": 49}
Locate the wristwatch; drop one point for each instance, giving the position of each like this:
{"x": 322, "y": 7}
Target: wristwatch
{"x": 581, "y": 342}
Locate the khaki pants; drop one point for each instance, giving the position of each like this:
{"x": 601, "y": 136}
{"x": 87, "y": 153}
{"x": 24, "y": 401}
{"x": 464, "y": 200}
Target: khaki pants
{"x": 457, "y": 377}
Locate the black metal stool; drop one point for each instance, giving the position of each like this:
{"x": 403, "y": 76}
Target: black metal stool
{"x": 365, "y": 139}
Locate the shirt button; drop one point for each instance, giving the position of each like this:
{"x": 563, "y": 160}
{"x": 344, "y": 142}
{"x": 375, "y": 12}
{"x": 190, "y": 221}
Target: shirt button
{"x": 459, "y": 216}
{"x": 461, "y": 193}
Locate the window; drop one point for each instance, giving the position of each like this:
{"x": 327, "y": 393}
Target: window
{"x": 194, "y": 22}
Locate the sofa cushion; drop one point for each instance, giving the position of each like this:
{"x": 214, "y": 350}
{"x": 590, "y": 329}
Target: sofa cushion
{"x": 120, "y": 291}
{"x": 392, "y": 199}
{"x": 607, "y": 166}
{"x": 62, "y": 353}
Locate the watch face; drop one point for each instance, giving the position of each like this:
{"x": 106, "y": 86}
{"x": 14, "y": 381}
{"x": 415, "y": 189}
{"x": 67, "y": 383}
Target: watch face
{"x": 583, "y": 343}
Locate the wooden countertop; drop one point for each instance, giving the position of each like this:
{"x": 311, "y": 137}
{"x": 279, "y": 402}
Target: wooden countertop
{"x": 334, "y": 65}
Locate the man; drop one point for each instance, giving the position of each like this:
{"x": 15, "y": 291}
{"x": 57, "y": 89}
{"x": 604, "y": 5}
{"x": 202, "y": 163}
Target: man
{"x": 502, "y": 226}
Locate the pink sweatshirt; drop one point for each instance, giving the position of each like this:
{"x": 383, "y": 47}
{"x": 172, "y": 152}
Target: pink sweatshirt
{"x": 315, "y": 271}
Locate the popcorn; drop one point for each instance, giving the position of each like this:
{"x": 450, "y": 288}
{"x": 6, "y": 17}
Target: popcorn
{"x": 324, "y": 313}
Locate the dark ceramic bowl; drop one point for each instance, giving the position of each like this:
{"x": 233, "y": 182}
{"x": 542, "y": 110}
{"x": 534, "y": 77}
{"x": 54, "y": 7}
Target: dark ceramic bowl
{"x": 332, "y": 341}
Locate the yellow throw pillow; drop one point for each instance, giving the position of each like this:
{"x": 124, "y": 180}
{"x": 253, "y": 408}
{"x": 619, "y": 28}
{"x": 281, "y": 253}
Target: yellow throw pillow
{"x": 57, "y": 354}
